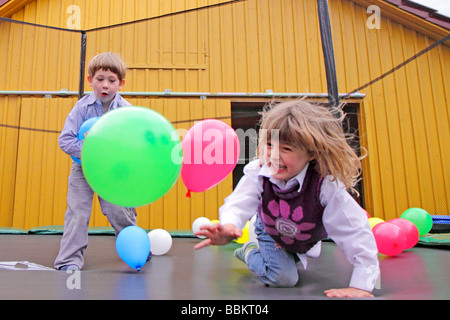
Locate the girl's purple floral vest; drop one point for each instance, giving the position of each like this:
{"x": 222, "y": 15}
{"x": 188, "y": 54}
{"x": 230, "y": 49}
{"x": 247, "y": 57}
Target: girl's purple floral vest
{"x": 294, "y": 219}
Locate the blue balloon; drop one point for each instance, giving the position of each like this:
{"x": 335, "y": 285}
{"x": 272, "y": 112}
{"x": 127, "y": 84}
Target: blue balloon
{"x": 76, "y": 159}
{"x": 85, "y": 127}
{"x": 133, "y": 246}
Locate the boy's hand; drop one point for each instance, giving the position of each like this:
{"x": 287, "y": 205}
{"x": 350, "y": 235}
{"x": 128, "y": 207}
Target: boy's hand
{"x": 348, "y": 293}
{"x": 217, "y": 234}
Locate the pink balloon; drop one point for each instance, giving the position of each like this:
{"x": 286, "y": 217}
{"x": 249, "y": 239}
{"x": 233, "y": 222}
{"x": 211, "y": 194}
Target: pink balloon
{"x": 410, "y": 229}
{"x": 367, "y": 214}
{"x": 390, "y": 238}
{"x": 210, "y": 152}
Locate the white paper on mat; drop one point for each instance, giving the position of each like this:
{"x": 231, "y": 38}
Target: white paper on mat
{"x": 23, "y": 266}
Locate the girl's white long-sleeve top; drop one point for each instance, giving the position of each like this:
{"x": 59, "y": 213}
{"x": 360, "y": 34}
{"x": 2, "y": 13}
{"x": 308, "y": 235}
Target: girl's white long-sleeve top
{"x": 345, "y": 221}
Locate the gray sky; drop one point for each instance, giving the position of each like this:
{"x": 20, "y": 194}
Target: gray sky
{"x": 442, "y": 6}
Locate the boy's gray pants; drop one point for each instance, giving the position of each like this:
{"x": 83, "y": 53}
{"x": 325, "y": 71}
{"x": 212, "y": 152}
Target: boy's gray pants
{"x": 79, "y": 206}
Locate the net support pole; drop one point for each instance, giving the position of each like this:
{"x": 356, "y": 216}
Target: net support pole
{"x": 82, "y": 64}
{"x": 328, "y": 52}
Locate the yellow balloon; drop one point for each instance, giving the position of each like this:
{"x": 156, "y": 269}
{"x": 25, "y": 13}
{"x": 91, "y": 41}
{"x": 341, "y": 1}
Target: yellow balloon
{"x": 374, "y": 221}
{"x": 215, "y": 221}
{"x": 245, "y": 235}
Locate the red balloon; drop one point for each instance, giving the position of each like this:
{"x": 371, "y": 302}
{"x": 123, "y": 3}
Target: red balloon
{"x": 410, "y": 229}
{"x": 210, "y": 152}
{"x": 390, "y": 238}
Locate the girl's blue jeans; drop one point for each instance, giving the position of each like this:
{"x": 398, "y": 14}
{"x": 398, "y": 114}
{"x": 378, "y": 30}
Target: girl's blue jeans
{"x": 273, "y": 265}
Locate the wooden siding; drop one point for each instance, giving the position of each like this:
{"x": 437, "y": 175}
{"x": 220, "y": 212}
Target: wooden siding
{"x": 245, "y": 46}
{"x": 35, "y": 171}
{"x": 405, "y": 114}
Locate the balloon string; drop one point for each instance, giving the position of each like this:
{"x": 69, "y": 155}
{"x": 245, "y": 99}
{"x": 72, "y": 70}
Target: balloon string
{"x": 188, "y": 193}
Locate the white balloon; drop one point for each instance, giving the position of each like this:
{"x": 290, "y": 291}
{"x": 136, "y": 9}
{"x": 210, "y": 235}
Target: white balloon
{"x": 200, "y": 222}
{"x": 160, "y": 241}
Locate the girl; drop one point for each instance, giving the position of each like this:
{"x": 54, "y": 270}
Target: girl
{"x": 298, "y": 188}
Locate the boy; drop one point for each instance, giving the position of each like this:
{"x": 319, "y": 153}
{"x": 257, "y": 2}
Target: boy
{"x": 106, "y": 75}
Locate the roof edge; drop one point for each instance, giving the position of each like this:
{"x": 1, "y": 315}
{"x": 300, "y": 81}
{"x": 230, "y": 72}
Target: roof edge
{"x": 422, "y": 11}
{"x": 391, "y": 10}
{"x": 9, "y": 7}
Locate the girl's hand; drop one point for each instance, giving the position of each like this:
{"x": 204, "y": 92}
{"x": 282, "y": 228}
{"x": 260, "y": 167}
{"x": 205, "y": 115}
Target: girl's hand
{"x": 217, "y": 234}
{"x": 348, "y": 293}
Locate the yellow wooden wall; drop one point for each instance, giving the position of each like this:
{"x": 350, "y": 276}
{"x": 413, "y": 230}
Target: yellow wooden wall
{"x": 35, "y": 171}
{"x": 246, "y": 46}
{"x": 9, "y": 137}
{"x": 405, "y": 116}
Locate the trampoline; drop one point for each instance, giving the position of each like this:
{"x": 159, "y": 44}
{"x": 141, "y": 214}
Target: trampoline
{"x": 212, "y": 273}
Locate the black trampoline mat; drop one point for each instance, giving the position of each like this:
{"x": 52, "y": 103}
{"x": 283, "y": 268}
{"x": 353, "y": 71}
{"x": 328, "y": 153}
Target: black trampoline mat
{"x": 212, "y": 273}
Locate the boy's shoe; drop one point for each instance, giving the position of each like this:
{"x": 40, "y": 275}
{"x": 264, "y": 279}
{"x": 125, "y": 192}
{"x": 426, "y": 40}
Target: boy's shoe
{"x": 71, "y": 267}
{"x": 243, "y": 252}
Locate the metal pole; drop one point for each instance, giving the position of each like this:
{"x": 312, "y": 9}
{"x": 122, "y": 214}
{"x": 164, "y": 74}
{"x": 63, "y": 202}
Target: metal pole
{"x": 328, "y": 52}
{"x": 296, "y": 95}
{"x": 82, "y": 64}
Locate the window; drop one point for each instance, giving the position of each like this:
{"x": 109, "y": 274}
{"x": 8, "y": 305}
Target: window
{"x": 245, "y": 121}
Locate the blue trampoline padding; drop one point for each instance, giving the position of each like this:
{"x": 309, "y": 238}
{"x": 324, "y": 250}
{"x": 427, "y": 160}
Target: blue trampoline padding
{"x": 12, "y": 230}
{"x": 441, "y": 224}
{"x": 47, "y": 230}
{"x": 441, "y": 240}
{"x": 438, "y": 240}
{"x": 441, "y": 219}
{"x": 58, "y": 229}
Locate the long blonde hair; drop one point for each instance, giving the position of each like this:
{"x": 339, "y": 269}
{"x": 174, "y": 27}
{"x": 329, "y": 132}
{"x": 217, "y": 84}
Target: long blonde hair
{"x": 316, "y": 129}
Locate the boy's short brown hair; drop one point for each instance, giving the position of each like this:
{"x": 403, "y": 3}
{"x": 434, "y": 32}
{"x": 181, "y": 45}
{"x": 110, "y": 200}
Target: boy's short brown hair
{"x": 107, "y": 61}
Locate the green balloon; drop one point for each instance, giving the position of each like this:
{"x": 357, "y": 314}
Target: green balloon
{"x": 421, "y": 219}
{"x": 131, "y": 156}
